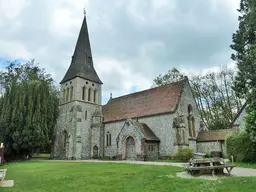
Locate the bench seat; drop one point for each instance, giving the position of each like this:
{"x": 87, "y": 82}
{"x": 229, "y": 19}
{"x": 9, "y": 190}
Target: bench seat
{"x": 191, "y": 169}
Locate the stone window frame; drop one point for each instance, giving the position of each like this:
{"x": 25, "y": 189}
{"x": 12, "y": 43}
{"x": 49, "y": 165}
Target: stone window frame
{"x": 151, "y": 147}
{"x": 64, "y": 140}
{"x": 94, "y": 95}
{"x": 67, "y": 94}
{"x": 108, "y": 139}
{"x": 85, "y": 115}
{"x": 83, "y": 93}
{"x": 71, "y": 93}
{"x": 64, "y": 95}
{"x": 89, "y": 94}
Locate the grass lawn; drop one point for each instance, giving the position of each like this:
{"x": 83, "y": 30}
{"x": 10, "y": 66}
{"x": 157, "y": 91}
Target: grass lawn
{"x": 245, "y": 165}
{"x": 112, "y": 177}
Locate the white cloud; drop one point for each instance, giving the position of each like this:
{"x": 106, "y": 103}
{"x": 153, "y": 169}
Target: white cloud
{"x": 47, "y": 30}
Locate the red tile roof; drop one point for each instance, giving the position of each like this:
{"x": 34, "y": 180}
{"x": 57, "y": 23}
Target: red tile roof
{"x": 163, "y": 99}
{"x": 214, "y": 135}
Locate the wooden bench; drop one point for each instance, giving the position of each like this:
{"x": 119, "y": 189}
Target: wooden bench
{"x": 192, "y": 170}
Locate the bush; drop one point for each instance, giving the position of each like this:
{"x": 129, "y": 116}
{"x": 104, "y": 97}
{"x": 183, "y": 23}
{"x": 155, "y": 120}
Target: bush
{"x": 184, "y": 154}
{"x": 241, "y": 147}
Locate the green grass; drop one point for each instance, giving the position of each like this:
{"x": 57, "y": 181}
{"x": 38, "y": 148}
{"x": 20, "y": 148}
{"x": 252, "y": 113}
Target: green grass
{"x": 170, "y": 161}
{"x": 32, "y": 176}
{"x": 245, "y": 165}
{"x": 41, "y": 156}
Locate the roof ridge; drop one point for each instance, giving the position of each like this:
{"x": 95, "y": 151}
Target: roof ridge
{"x": 176, "y": 82}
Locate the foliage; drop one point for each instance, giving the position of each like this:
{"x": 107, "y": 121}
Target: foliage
{"x": 215, "y": 98}
{"x": 241, "y": 147}
{"x": 184, "y": 154}
{"x": 171, "y": 76}
{"x": 29, "y": 109}
{"x": 113, "y": 177}
{"x": 244, "y": 45}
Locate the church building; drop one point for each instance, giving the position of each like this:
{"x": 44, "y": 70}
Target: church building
{"x": 144, "y": 125}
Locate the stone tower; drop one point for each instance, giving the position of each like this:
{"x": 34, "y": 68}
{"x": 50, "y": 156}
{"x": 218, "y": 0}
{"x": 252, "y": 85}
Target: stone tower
{"x": 79, "y": 125}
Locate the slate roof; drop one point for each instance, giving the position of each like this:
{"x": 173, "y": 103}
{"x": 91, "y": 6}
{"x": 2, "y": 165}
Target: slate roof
{"x": 82, "y": 61}
{"x": 214, "y": 135}
{"x": 148, "y": 134}
{"x": 159, "y": 100}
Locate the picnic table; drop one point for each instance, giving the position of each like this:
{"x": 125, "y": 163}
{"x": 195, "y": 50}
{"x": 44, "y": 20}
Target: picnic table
{"x": 210, "y": 165}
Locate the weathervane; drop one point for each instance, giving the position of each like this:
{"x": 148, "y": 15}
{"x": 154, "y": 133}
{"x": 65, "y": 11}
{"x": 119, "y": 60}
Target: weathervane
{"x": 84, "y": 12}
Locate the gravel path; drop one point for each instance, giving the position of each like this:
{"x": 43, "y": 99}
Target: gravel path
{"x": 236, "y": 172}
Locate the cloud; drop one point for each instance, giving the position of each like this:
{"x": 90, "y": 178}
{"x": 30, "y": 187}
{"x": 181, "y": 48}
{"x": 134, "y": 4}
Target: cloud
{"x": 132, "y": 41}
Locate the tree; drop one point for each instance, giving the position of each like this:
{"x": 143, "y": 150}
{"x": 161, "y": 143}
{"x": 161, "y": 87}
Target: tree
{"x": 244, "y": 45}
{"x": 215, "y": 98}
{"x": 171, "y": 76}
{"x": 29, "y": 104}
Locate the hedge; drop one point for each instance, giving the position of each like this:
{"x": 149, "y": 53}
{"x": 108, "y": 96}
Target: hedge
{"x": 241, "y": 147}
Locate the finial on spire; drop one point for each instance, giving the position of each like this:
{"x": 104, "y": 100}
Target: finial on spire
{"x": 84, "y": 12}
{"x": 110, "y": 95}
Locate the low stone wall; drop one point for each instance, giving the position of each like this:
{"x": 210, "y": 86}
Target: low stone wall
{"x": 207, "y": 147}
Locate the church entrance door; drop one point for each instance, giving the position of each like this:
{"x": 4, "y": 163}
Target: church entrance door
{"x": 95, "y": 152}
{"x": 130, "y": 148}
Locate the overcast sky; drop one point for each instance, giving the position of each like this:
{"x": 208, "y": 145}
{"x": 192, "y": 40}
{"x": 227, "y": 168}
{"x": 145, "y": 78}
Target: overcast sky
{"x": 132, "y": 40}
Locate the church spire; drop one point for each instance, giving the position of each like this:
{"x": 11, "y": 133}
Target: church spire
{"x": 82, "y": 62}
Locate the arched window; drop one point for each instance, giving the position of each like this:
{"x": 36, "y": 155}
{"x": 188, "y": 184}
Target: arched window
{"x": 190, "y": 109}
{"x": 67, "y": 94}
{"x": 64, "y": 95}
{"x": 108, "y": 139}
{"x": 189, "y": 126}
{"x": 89, "y": 94}
{"x": 85, "y": 115}
{"x": 94, "y": 95}
{"x": 184, "y": 136}
{"x": 193, "y": 126}
{"x": 71, "y": 93}
{"x": 83, "y": 93}
{"x": 64, "y": 140}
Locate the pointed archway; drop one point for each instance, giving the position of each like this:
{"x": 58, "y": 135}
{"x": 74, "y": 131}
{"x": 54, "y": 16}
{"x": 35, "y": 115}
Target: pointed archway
{"x": 130, "y": 148}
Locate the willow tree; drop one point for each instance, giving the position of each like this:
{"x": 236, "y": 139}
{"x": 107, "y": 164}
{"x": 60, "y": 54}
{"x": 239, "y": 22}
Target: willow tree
{"x": 29, "y": 104}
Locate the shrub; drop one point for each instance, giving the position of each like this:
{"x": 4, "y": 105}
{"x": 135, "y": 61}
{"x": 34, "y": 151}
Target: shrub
{"x": 241, "y": 147}
{"x": 184, "y": 154}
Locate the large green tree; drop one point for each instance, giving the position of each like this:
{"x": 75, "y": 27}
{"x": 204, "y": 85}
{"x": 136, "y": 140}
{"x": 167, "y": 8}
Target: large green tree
{"x": 244, "y": 45}
{"x": 29, "y": 109}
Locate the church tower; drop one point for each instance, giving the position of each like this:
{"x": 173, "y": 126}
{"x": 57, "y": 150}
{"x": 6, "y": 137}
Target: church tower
{"x": 79, "y": 125}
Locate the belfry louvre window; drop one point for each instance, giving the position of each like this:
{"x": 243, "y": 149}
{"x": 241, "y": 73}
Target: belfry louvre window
{"x": 83, "y": 93}
{"x": 64, "y": 95}
{"x": 71, "y": 93}
{"x": 94, "y": 96}
{"x": 89, "y": 94}
{"x": 67, "y": 94}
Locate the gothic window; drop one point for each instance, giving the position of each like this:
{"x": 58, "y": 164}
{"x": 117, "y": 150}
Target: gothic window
{"x": 189, "y": 126}
{"x": 83, "y": 93}
{"x": 108, "y": 139}
{"x": 85, "y": 115}
{"x": 183, "y": 136}
{"x": 94, "y": 96}
{"x": 190, "y": 109}
{"x": 89, "y": 94}
{"x": 64, "y": 95}
{"x": 67, "y": 94}
{"x": 64, "y": 140}
{"x": 71, "y": 93}
{"x": 193, "y": 126}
